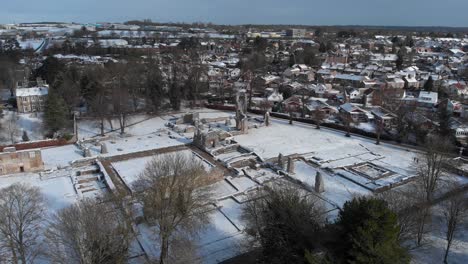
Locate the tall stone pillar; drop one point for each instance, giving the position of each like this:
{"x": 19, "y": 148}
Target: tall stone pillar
{"x": 267, "y": 119}
{"x": 319, "y": 184}
{"x": 280, "y": 160}
{"x": 104, "y": 148}
{"x": 290, "y": 165}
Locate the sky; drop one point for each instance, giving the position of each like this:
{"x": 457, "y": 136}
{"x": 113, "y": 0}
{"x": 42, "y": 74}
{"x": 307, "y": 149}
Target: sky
{"x": 305, "y": 12}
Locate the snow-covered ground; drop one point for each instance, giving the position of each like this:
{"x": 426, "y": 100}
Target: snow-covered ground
{"x": 59, "y": 192}
{"x": 327, "y": 145}
{"x": 223, "y": 236}
{"x": 59, "y": 157}
{"x": 130, "y": 170}
{"x": 31, "y": 43}
{"x": 15, "y": 123}
{"x": 140, "y": 125}
{"x": 136, "y": 125}
{"x": 337, "y": 189}
{"x": 433, "y": 248}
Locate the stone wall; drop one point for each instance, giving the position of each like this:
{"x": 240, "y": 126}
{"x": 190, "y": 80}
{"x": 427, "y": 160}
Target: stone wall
{"x": 20, "y": 161}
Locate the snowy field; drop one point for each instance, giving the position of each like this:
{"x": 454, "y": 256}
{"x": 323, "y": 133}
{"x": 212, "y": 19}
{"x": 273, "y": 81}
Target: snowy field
{"x": 59, "y": 192}
{"x": 130, "y": 170}
{"x": 337, "y": 189}
{"x": 434, "y": 246}
{"x": 60, "y": 157}
{"x": 13, "y": 124}
{"x": 333, "y": 148}
{"x": 118, "y": 145}
{"x": 140, "y": 125}
{"x": 136, "y": 125}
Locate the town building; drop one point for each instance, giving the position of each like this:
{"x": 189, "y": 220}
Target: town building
{"x": 296, "y": 33}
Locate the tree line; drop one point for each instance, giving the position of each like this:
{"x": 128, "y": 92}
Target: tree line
{"x": 117, "y": 89}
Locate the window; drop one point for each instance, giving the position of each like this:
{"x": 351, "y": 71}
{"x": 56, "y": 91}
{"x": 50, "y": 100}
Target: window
{"x": 32, "y": 155}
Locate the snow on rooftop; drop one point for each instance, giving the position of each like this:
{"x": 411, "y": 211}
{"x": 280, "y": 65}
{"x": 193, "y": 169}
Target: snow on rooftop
{"x": 34, "y": 91}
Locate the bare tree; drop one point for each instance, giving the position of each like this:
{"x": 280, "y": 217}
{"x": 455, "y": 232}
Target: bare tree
{"x": 430, "y": 167}
{"x": 455, "y": 211}
{"x": 391, "y": 100}
{"x": 120, "y": 103}
{"x": 290, "y": 111}
{"x": 349, "y": 122}
{"x": 170, "y": 190}
{"x": 154, "y": 85}
{"x": 318, "y": 116}
{"x": 431, "y": 164}
{"x": 7, "y": 73}
{"x": 133, "y": 81}
{"x": 100, "y": 110}
{"x": 401, "y": 202}
{"x": 67, "y": 84}
{"x": 12, "y": 127}
{"x": 90, "y": 231}
{"x": 21, "y": 217}
{"x": 265, "y": 105}
{"x": 379, "y": 128}
{"x": 197, "y": 74}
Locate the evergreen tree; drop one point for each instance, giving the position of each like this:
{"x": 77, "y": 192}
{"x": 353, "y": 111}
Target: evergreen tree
{"x": 50, "y": 69}
{"x": 55, "y": 112}
{"x": 25, "y": 136}
{"x": 444, "y": 121}
{"x": 400, "y": 59}
{"x": 175, "y": 91}
{"x": 368, "y": 233}
{"x": 285, "y": 223}
{"x": 409, "y": 41}
{"x": 429, "y": 85}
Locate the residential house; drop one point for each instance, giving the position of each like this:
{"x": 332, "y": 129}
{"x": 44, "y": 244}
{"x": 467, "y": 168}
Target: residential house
{"x": 353, "y": 94}
{"x": 273, "y": 96}
{"x": 354, "y": 112}
{"x": 383, "y": 115}
{"x": 296, "y": 32}
{"x": 320, "y": 89}
{"x": 292, "y": 104}
{"x": 368, "y": 97}
{"x": 351, "y": 80}
{"x": 393, "y": 81}
{"x": 300, "y": 72}
{"x": 320, "y": 104}
{"x": 458, "y": 89}
{"x": 427, "y": 99}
